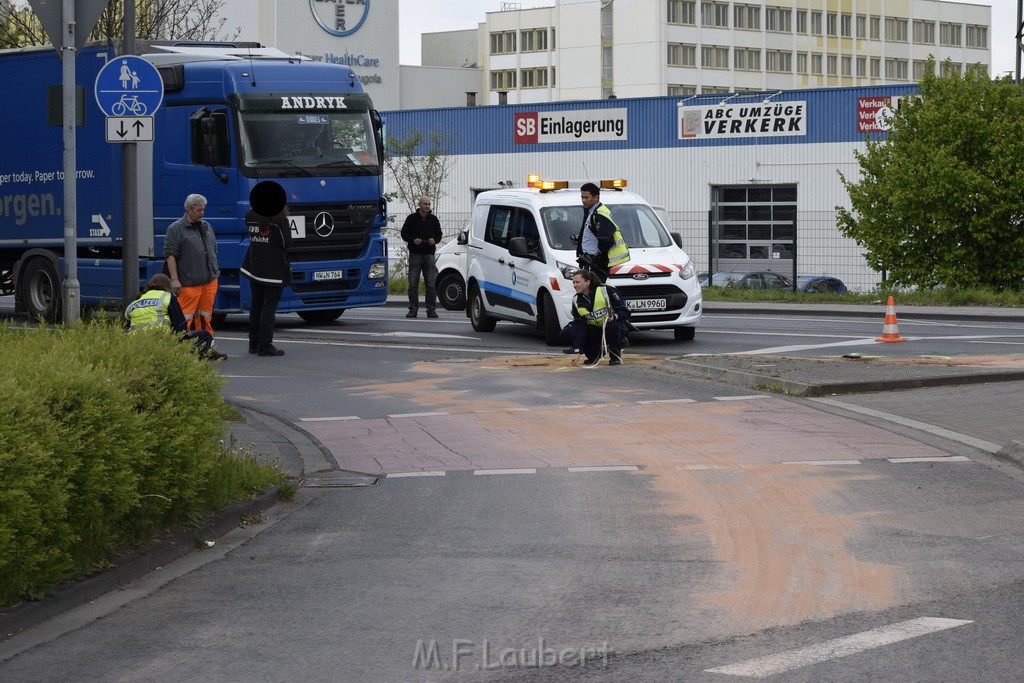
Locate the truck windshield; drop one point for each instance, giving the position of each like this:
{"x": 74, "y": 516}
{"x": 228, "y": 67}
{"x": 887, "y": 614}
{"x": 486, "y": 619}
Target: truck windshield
{"x": 638, "y": 223}
{"x": 324, "y": 143}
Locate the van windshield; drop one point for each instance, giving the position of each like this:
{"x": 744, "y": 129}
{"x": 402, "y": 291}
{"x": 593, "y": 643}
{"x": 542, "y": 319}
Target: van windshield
{"x": 314, "y": 143}
{"x": 638, "y": 223}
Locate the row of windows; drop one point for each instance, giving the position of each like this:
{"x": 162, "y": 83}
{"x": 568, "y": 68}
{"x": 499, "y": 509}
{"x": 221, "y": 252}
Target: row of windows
{"x": 506, "y": 79}
{"x": 781, "y": 61}
{"x": 780, "y": 20}
{"x": 530, "y": 40}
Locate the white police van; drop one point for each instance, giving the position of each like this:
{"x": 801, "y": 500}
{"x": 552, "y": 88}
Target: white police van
{"x": 515, "y": 261}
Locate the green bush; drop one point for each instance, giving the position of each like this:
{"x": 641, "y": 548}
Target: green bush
{"x": 107, "y": 438}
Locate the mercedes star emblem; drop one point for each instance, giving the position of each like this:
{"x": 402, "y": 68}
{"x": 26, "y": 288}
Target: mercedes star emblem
{"x": 324, "y": 224}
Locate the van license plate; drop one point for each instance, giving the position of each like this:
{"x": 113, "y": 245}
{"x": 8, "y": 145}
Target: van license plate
{"x": 646, "y": 304}
{"x": 329, "y": 275}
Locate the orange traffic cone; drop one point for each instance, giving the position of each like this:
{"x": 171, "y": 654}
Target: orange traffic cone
{"x": 890, "y": 329}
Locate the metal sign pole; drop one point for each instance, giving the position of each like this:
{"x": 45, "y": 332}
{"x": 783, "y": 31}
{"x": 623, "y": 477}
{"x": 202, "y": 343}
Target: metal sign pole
{"x": 72, "y": 288}
{"x": 130, "y": 200}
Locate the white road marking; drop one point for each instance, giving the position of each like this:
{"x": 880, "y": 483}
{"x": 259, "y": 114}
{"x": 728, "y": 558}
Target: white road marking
{"x": 980, "y": 444}
{"x": 396, "y": 475}
{"x": 669, "y": 400}
{"x": 526, "y": 470}
{"x": 740, "y": 398}
{"x": 954, "y": 458}
{"x": 609, "y": 468}
{"x": 763, "y": 667}
{"x": 427, "y": 335}
{"x": 329, "y": 419}
{"x": 821, "y": 462}
{"x": 417, "y": 414}
{"x": 805, "y": 347}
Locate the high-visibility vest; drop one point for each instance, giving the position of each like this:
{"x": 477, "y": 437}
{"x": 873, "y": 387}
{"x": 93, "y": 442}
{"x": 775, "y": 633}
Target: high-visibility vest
{"x": 149, "y": 310}
{"x": 619, "y": 252}
{"x": 599, "y": 309}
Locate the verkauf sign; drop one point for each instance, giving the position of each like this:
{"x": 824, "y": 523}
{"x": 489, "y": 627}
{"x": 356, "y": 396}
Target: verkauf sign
{"x": 51, "y": 16}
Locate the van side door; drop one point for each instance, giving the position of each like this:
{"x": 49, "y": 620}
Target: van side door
{"x": 505, "y": 280}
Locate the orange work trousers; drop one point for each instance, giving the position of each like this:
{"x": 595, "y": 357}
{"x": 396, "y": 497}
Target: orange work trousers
{"x": 197, "y": 305}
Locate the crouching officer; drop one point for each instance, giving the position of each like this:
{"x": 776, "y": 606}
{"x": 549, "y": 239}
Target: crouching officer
{"x": 158, "y": 309}
{"x": 600, "y": 321}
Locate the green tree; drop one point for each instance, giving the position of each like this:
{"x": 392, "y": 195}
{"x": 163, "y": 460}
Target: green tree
{"x": 939, "y": 201}
{"x": 155, "y": 20}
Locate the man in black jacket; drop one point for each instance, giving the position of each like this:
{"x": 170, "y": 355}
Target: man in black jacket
{"x": 422, "y": 232}
{"x": 267, "y": 267}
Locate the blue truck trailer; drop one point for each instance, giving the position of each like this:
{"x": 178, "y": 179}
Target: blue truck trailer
{"x": 231, "y": 116}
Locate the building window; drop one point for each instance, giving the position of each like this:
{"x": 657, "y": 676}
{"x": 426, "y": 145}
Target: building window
{"x": 714, "y": 57}
{"x": 950, "y": 68}
{"x": 949, "y": 34}
{"x": 918, "y": 69}
{"x": 747, "y": 17}
{"x": 816, "y": 23}
{"x": 862, "y": 26}
{"x": 682, "y": 12}
{"x": 747, "y": 59}
{"x": 535, "y": 40}
{"x": 846, "y": 25}
{"x": 778, "y": 19}
{"x": 713, "y": 90}
{"x": 552, "y": 39}
{"x": 503, "y": 80}
{"x": 778, "y": 61}
{"x": 801, "y": 62}
{"x": 977, "y": 36}
{"x": 830, "y": 23}
{"x": 862, "y": 67}
{"x": 682, "y": 55}
{"x": 714, "y": 14}
{"x": 895, "y": 30}
{"x": 924, "y": 32}
{"x": 503, "y": 43}
{"x": 534, "y": 78}
{"x": 846, "y": 65}
{"x": 876, "y": 67}
{"x": 801, "y": 21}
{"x": 816, "y": 64}
{"x": 876, "y": 28}
{"x": 681, "y": 90}
{"x": 896, "y": 69}
{"x": 832, "y": 64}
{"x": 607, "y": 64}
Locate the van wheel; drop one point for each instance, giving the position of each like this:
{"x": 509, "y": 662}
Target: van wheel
{"x": 321, "y": 317}
{"x": 451, "y": 292}
{"x": 40, "y": 289}
{"x": 477, "y": 315}
{"x": 549, "y": 320}
{"x": 684, "y": 333}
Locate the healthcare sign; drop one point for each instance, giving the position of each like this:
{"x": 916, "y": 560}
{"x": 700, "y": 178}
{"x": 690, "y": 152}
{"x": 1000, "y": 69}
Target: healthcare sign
{"x": 594, "y": 125}
{"x": 727, "y": 120}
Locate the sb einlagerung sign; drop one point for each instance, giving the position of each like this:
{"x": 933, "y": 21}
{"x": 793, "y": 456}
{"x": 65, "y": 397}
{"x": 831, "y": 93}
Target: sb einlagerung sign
{"x": 742, "y": 120}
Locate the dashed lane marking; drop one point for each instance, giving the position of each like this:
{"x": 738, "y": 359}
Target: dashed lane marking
{"x": 329, "y": 419}
{"x": 397, "y": 475}
{"x": 954, "y": 458}
{"x": 763, "y": 667}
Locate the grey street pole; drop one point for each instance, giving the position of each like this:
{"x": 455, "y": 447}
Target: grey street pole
{"x": 72, "y": 301}
{"x": 130, "y": 188}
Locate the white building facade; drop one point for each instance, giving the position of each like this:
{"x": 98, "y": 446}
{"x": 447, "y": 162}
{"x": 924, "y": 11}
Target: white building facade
{"x": 597, "y": 49}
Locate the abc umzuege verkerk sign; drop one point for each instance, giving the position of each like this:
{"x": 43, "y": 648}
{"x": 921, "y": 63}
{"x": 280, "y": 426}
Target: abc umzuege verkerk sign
{"x": 743, "y": 120}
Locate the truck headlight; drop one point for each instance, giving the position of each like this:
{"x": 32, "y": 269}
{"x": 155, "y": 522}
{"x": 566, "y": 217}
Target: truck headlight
{"x": 688, "y": 271}
{"x": 378, "y": 271}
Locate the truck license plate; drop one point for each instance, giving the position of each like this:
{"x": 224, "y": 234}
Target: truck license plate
{"x": 328, "y": 275}
{"x": 646, "y": 304}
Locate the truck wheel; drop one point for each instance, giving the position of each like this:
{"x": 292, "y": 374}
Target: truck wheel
{"x": 684, "y": 333}
{"x": 40, "y": 289}
{"x": 549, "y": 320}
{"x": 451, "y": 292}
{"x": 321, "y": 317}
{"x": 477, "y": 315}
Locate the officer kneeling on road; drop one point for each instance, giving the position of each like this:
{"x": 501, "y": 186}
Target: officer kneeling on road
{"x": 158, "y": 309}
{"x": 600, "y": 321}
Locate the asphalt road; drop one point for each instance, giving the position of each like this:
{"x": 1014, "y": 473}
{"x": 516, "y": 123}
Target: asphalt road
{"x": 649, "y": 526}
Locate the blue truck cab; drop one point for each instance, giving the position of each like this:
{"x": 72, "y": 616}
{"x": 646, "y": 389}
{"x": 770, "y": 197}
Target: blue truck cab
{"x": 230, "y": 118}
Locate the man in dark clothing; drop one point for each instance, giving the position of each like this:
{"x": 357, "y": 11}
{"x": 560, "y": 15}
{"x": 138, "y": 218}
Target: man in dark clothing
{"x": 422, "y": 232}
{"x": 267, "y": 267}
{"x": 597, "y": 233}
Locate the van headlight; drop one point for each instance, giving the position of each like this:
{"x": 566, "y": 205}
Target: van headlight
{"x": 568, "y": 271}
{"x": 688, "y": 271}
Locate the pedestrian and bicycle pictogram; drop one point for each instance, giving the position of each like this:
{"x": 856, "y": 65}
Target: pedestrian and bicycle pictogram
{"x": 129, "y": 86}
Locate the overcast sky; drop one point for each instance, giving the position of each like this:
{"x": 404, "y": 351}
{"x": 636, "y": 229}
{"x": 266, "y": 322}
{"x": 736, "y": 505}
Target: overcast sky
{"x": 427, "y": 16}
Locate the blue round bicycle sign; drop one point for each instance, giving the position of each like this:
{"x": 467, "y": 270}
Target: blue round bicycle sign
{"x": 129, "y": 86}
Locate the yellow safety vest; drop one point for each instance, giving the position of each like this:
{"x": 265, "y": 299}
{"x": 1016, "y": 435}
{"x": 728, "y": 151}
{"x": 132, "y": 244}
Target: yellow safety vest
{"x": 599, "y": 311}
{"x": 619, "y": 252}
{"x": 149, "y": 310}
